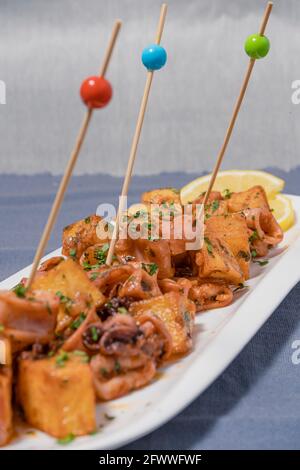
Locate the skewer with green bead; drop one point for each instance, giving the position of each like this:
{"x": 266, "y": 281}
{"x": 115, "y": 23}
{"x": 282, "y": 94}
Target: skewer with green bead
{"x": 256, "y": 46}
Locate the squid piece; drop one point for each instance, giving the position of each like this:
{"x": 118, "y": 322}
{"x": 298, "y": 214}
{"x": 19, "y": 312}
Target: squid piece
{"x": 177, "y": 313}
{"x": 177, "y": 243}
{"x": 115, "y": 378}
{"x": 233, "y": 230}
{"x": 216, "y": 204}
{"x": 263, "y": 227}
{"x": 146, "y": 251}
{"x": 57, "y": 394}
{"x": 78, "y": 236}
{"x": 29, "y": 319}
{"x": 259, "y": 247}
{"x": 127, "y": 353}
{"x": 75, "y": 291}
{"x": 161, "y": 196}
{"x": 94, "y": 256}
{"x": 180, "y": 285}
{"x": 132, "y": 280}
{"x": 76, "y": 329}
{"x": 122, "y": 335}
{"x": 140, "y": 285}
{"x": 213, "y": 196}
{"x": 208, "y": 295}
{"x": 253, "y": 198}
{"x": 6, "y": 414}
{"x": 216, "y": 261}
{"x": 50, "y": 263}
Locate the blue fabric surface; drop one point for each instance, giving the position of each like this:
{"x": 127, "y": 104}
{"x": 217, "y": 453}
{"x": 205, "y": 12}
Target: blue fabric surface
{"x": 254, "y": 404}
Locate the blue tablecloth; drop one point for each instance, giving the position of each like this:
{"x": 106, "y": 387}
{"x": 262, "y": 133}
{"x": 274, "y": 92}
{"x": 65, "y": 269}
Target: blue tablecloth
{"x": 254, "y": 404}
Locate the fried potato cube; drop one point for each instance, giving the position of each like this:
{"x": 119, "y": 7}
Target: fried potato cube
{"x": 161, "y": 196}
{"x": 69, "y": 279}
{"x": 232, "y": 228}
{"x": 215, "y": 260}
{"x": 78, "y": 236}
{"x": 253, "y": 198}
{"x": 178, "y": 314}
{"x": 6, "y": 414}
{"x": 57, "y": 394}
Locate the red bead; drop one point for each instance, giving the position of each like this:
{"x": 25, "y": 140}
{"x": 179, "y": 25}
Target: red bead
{"x": 96, "y": 92}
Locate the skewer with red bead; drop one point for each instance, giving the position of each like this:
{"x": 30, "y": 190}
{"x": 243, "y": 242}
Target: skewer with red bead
{"x": 96, "y": 92}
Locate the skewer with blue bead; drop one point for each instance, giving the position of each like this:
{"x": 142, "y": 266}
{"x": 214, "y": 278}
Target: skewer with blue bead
{"x": 154, "y": 58}
{"x": 256, "y": 47}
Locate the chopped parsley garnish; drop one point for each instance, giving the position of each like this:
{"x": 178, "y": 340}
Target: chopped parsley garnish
{"x": 67, "y": 439}
{"x": 261, "y": 262}
{"x": 76, "y": 323}
{"x": 244, "y": 254}
{"x": 85, "y": 358}
{"x": 94, "y": 276}
{"x": 62, "y": 358}
{"x": 240, "y": 287}
{"x": 215, "y": 205}
{"x": 254, "y": 236}
{"x": 94, "y": 333}
{"x": 227, "y": 194}
{"x": 87, "y": 220}
{"x": 100, "y": 253}
{"x": 117, "y": 367}
{"x": 254, "y": 253}
{"x": 20, "y": 290}
{"x": 140, "y": 214}
{"x": 88, "y": 267}
{"x": 109, "y": 417}
{"x": 72, "y": 253}
{"x": 66, "y": 301}
{"x": 208, "y": 245}
{"x": 122, "y": 310}
{"x": 150, "y": 268}
{"x": 104, "y": 372}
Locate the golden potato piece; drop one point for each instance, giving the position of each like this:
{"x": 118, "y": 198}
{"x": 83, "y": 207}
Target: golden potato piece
{"x": 6, "y": 415}
{"x": 78, "y": 236}
{"x": 177, "y": 313}
{"x": 215, "y": 260}
{"x": 232, "y": 228}
{"x": 161, "y": 196}
{"x": 57, "y": 394}
{"x": 251, "y": 199}
{"x": 69, "y": 279}
{"x": 76, "y": 292}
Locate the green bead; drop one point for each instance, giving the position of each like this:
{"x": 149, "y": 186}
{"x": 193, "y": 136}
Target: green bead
{"x": 257, "y": 46}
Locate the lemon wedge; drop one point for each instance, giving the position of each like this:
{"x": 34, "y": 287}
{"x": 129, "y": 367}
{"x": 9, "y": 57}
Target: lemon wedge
{"x": 235, "y": 181}
{"x": 283, "y": 211}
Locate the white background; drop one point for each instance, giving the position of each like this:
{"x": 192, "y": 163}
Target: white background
{"x": 48, "y": 47}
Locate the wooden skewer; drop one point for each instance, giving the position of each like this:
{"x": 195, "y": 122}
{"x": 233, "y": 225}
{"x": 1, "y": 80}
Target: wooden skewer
{"x": 236, "y": 108}
{"x": 71, "y": 163}
{"x": 135, "y": 141}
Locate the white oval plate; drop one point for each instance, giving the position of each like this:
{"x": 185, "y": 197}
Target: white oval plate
{"x": 219, "y": 337}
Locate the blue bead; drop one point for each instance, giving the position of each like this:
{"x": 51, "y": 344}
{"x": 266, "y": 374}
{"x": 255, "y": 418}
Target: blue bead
{"x": 154, "y": 57}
